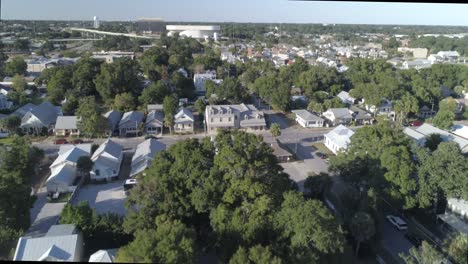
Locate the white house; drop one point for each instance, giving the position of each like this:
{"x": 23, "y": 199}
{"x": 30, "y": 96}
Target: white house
{"x": 103, "y": 256}
{"x": 306, "y": 119}
{"x": 60, "y": 243}
{"x": 384, "y": 108}
{"x": 199, "y": 80}
{"x": 63, "y": 169}
{"x": 107, "y": 161}
{"x": 66, "y": 126}
{"x": 41, "y": 117}
{"x": 184, "y": 121}
{"x": 346, "y": 98}
{"x": 144, "y": 155}
{"x": 419, "y": 136}
{"x": 337, "y": 116}
{"x": 338, "y": 139}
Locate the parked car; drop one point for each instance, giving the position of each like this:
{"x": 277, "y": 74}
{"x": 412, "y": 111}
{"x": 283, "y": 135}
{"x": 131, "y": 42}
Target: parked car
{"x": 60, "y": 141}
{"x": 77, "y": 141}
{"x": 416, "y": 123}
{"x": 397, "y": 222}
{"x": 150, "y": 136}
{"x": 319, "y": 154}
{"x": 414, "y": 239}
{"x": 128, "y": 185}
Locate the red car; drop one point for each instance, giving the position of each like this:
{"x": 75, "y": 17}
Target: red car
{"x": 77, "y": 141}
{"x": 61, "y": 141}
{"x": 416, "y": 123}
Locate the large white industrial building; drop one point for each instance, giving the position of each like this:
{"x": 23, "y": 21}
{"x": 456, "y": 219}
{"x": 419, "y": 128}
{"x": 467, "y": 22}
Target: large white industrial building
{"x": 194, "y": 31}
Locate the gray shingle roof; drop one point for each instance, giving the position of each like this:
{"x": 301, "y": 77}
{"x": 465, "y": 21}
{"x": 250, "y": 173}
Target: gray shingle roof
{"x": 307, "y": 115}
{"x": 66, "y": 122}
{"x": 114, "y": 117}
{"x": 134, "y": 116}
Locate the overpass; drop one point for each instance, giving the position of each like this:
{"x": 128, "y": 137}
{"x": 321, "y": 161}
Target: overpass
{"x": 99, "y": 32}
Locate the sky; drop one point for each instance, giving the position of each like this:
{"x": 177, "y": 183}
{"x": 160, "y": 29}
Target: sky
{"x": 268, "y": 11}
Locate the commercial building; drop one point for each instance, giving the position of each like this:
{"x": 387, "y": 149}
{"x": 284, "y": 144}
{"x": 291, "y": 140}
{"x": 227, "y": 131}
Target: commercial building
{"x": 195, "y": 31}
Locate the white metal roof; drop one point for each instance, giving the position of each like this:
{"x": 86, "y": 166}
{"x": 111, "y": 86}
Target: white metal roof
{"x": 341, "y": 136}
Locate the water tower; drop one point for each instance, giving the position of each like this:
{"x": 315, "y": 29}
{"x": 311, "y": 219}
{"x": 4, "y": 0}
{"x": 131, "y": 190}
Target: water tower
{"x": 96, "y": 22}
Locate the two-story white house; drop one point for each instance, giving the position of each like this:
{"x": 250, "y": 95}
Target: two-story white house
{"x": 199, "y": 80}
{"x": 107, "y": 161}
{"x": 241, "y": 116}
{"x": 184, "y": 121}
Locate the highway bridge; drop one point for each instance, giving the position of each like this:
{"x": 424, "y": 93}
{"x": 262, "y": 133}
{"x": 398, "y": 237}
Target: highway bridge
{"x": 99, "y": 32}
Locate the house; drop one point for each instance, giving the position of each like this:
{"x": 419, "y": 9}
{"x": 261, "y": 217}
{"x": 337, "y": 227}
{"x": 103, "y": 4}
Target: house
{"x": 360, "y": 117}
{"x": 60, "y": 243}
{"x": 461, "y": 104}
{"x": 455, "y": 218}
{"x": 21, "y": 112}
{"x": 40, "y": 118}
{"x": 417, "y": 64}
{"x": 113, "y": 117}
{"x": 384, "y": 108}
{"x": 338, "y": 139}
{"x": 144, "y": 155}
{"x": 460, "y": 130}
{"x": 281, "y": 153}
{"x": 111, "y": 56}
{"x": 336, "y": 116}
{"x": 63, "y": 169}
{"x": 107, "y": 161}
{"x": 346, "y": 98}
{"x": 130, "y": 123}
{"x": 426, "y": 112}
{"x": 154, "y": 123}
{"x": 184, "y": 121}
{"x": 155, "y": 107}
{"x": 199, "y": 80}
{"x": 419, "y": 136}
{"x": 451, "y": 56}
{"x": 37, "y": 65}
{"x": 104, "y": 256}
{"x": 241, "y": 116}
{"x": 5, "y": 102}
{"x": 5, "y": 90}
{"x": 306, "y": 119}
{"x": 66, "y": 126}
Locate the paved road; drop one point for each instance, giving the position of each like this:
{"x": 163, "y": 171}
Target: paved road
{"x": 43, "y": 214}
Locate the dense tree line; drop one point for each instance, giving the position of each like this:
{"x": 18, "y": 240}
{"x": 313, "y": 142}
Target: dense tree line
{"x": 436, "y": 44}
{"x": 17, "y": 163}
{"x": 230, "y": 197}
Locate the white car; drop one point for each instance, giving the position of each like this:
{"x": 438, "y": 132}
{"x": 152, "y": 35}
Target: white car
{"x": 397, "y": 222}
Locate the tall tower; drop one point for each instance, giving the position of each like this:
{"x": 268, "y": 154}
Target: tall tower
{"x": 96, "y": 22}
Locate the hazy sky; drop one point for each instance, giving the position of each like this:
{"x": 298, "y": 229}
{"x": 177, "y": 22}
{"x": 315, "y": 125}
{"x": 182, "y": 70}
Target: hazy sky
{"x": 240, "y": 11}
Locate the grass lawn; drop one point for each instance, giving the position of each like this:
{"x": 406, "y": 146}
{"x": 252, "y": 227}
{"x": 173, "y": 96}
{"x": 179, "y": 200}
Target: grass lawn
{"x": 6, "y": 141}
{"x": 321, "y": 147}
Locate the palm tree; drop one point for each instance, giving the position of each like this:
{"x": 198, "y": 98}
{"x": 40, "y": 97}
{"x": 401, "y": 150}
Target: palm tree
{"x": 362, "y": 227}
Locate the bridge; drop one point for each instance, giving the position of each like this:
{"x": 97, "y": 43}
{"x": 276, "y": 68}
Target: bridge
{"x": 99, "y": 32}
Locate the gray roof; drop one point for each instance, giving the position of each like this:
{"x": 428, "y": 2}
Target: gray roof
{"x": 46, "y": 112}
{"x": 144, "y": 154}
{"x": 455, "y": 222}
{"x": 184, "y": 115}
{"x": 157, "y": 107}
{"x": 20, "y": 112}
{"x": 63, "y": 174}
{"x": 340, "y": 112}
{"x": 134, "y": 116}
{"x": 104, "y": 256}
{"x": 71, "y": 155}
{"x": 110, "y": 147}
{"x": 114, "y": 117}
{"x": 427, "y": 129}
{"x": 52, "y": 247}
{"x": 155, "y": 116}
{"x": 359, "y": 113}
{"x": 62, "y": 230}
{"x": 307, "y": 115}
{"x": 66, "y": 122}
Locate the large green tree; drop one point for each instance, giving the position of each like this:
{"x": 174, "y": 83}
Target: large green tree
{"x": 154, "y": 94}
{"x": 362, "y": 228}
{"x": 16, "y": 66}
{"x": 91, "y": 122}
{"x": 422, "y": 255}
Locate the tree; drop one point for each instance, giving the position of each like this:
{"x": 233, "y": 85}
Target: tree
{"x": 169, "y": 107}
{"x": 80, "y": 215}
{"x": 19, "y": 83}
{"x": 444, "y": 119}
{"x": 11, "y": 123}
{"x": 316, "y": 185}
{"x": 84, "y": 164}
{"x": 118, "y": 77}
{"x": 154, "y": 94}
{"x": 406, "y": 105}
{"x": 21, "y": 45}
{"x": 171, "y": 242}
{"x": 362, "y": 227}
{"x": 71, "y": 104}
{"x": 255, "y": 255}
{"x": 151, "y": 60}
{"x": 200, "y": 106}
{"x": 433, "y": 141}
{"x": 91, "y": 121}
{"x": 275, "y": 130}
{"x": 307, "y": 227}
{"x": 86, "y": 70}
{"x": 59, "y": 83}
{"x": 422, "y": 255}
{"x": 124, "y": 102}
{"x": 457, "y": 247}
{"x": 17, "y": 66}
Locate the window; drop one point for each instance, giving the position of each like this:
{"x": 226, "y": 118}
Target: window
{"x": 211, "y": 120}
{"x": 220, "y": 119}
{"x": 97, "y": 172}
{"x": 229, "y": 119}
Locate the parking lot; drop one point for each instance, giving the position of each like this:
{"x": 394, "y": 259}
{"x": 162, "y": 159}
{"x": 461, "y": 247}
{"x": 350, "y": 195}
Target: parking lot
{"x": 107, "y": 197}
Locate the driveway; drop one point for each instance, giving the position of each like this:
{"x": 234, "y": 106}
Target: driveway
{"x": 43, "y": 214}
